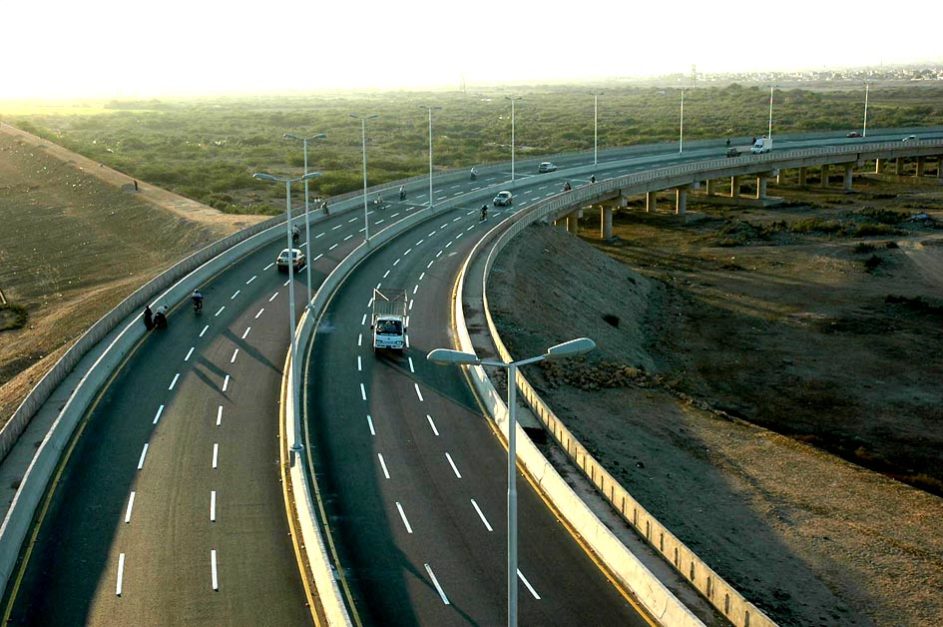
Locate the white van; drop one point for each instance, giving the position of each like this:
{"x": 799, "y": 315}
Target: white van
{"x": 762, "y": 145}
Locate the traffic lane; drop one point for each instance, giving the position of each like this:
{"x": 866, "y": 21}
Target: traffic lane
{"x": 102, "y": 473}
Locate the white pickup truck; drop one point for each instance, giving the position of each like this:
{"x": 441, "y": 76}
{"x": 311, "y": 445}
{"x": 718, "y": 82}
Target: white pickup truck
{"x": 388, "y": 321}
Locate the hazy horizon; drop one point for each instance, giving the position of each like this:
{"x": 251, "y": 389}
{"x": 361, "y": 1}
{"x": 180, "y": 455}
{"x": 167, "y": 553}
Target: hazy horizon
{"x": 105, "y": 49}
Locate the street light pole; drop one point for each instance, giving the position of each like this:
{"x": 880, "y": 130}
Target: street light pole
{"x": 681, "y": 135}
{"x": 293, "y": 372}
{"x": 431, "y": 201}
{"x": 363, "y": 137}
{"x": 867, "y": 88}
{"x": 596, "y": 128}
{"x": 512, "y": 99}
{"x": 447, "y": 356}
{"x": 304, "y": 141}
{"x": 769, "y": 133}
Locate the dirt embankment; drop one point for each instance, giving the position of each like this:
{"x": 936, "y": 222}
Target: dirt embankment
{"x": 75, "y": 240}
{"x": 749, "y": 350}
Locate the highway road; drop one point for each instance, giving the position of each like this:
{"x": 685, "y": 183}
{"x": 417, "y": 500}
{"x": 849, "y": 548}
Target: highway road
{"x": 169, "y": 509}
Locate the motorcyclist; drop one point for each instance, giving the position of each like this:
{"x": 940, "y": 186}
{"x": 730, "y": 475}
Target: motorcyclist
{"x": 592, "y": 179}
{"x": 160, "y": 317}
{"x": 474, "y": 173}
{"x": 197, "y": 298}
{"x": 402, "y": 192}
{"x": 377, "y": 200}
{"x": 567, "y": 187}
{"x": 295, "y": 234}
{"x": 484, "y": 212}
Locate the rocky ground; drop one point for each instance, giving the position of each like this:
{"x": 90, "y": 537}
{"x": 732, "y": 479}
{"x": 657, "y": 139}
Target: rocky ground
{"x": 765, "y": 381}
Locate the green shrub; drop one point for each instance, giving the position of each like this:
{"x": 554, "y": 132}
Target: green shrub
{"x": 869, "y": 229}
{"x": 12, "y": 316}
{"x": 816, "y": 225}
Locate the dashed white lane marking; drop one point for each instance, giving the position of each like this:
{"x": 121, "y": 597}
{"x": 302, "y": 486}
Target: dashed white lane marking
{"x": 420, "y": 242}
{"x": 212, "y": 505}
{"x": 411, "y": 369}
{"x": 363, "y": 392}
{"x": 411, "y": 304}
{"x": 432, "y": 424}
{"x": 370, "y": 303}
{"x": 219, "y": 415}
{"x": 319, "y": 235}
{"x": 435, "y": 582}
{"x": 174, "y": 382}
{"x": 246, "y": 332}
{"x": 334, "y": 228}
{"x": 318, "y": 257}
{"x": 360, "y": 339}
{"x": 363, "y": 320}
{"x": 438, "y": 254}
{"x": 216, "y": 315}
{"x": 406, "y": 337}
{"x": 287, "y": 281}
{"x": 236, "y": 293}
{"x": 470, "y": 228}
{"x": 234, "y": 353}
{"x": 120, "y": 575}
{"x": 429, "y": 265}
{"x": 431, "y": 234}
{"x": 386, "y": 274}
{"x": 449, "y": 243}
{"x": 213, "y": 569}
{"x": 452, "y": 464}
{"x": 351, "y": 236}
{"x": 127, "y": 513}
{"x": 359, "y": 364}
{"x": 204, "y": 330}
{"x": 160, "y": 410}
{"x": 386, "y": 473}
{"x": 456, "y": 219}
{"x": 189, "y": 352}
{"x": 252, "y": 279}
{"x": 332, "y": 247}
{"x": 443, "y": 225}
{"x": 481, "y": 515}
{"x": 143, "y": 455}
{"x": 268, "y": 266}
{"x": 260, "y": 313}
{"x": 459, "y": 236}
{"x": 380, "y": 221}
{"x": 352, "y": 220}
{"x": 303, "y": 245}
{"x": 272, "y": 297}
{"x": 378, "y": 285}
{"x": 225, "y": 383}
{"x": 422, "y": 276}
{"x": 370, "y": 424}
{"x": 527, "y": 583}
{"x": 394, "y": 215}
{"x": 418, "y": 393}
{"x": 408, "y": 250}
{"x": 402, "y": 515}
{"x": 215, "y": 454}
{"x": 416, "y": 287}
{"x": 396, "y": 262}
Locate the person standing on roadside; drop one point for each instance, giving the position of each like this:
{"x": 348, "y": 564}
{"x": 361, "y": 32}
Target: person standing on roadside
{"x": 148, "y": 318}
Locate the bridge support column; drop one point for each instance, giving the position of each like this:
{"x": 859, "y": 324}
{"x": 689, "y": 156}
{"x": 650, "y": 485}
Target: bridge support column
{"x": 921, "y": 164}
{"x": 650, "y": 202}
{"x": 734, "y": 186}
{"x": 761, "y": 187}
{"x": 710, "y": 187}
{"x": 824, "y": 181}
{"x": 848, "y": 177}
{"x": 681, "y": 200}
{"x": 605, "y": 222}
{"x": 879, "y": 166}
{"x": 939, "y": 167}
{"x": 898, "y": 166}
{"x": 802, "y": 176}
{"x": 573, "y": 223}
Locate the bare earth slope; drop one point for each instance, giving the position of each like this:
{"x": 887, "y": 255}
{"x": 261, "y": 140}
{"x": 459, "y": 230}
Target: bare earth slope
{"x": 809, "y": 537}
{"x": 75, "y": 239}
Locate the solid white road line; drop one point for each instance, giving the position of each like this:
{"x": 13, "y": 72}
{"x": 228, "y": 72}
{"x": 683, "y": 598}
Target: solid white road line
{"x": 386, "y": 473}
{"x": 272, "y": 297}
{"x": 246, "y": 332}
{"x": 234, "y": 353}
{"x": 127, "y": 513}
{"x": 402, "y": 515}
{"x": 189, "y": 352}
{"x": 432, "y": 424}
{"x": 252, "y": 279}
{"x": 260, "y": 313}
{"x": 452, "y": 464}
{"x": 418, "y": 393}
{"x": 370, "y": 424}
{"x": 411, "y": 369}
{"x": 268, "y": 266}
{"x": 215, "y": 454}
{"x": 204, "y": 330}
{"x": 216, "y": 315}
{"x": 359, "y": 364}
{"x": 219, "y": 415}
{"x": 435, "y": 582}
{"x": 212, "y": 505}
{"x": 120, "y": 575}
{"x": 213, "y": 569}
{"x": 225, "y": 383}
{"x": 363, "y": 392}
{"x": 160, "y": 410}
{"x": 143, "y": 455}
{"x": 481, "y": 515}
{"x": 233, "y": 297}
{"x": 527, "y": 583}
{"x": 174, "y": 382}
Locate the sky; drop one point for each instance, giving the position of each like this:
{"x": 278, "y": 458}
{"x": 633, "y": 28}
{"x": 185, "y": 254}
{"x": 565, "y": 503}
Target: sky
{"x": 146, "y": 48}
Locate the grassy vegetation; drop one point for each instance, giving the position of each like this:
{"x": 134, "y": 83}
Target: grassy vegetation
{"x": 12, "y": 316}
{"x": 207, "y": 149}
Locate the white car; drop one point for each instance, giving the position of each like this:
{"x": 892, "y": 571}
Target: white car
{"x": 909, "y": 138}
{"x": 282, "y": 261}
{"x": 546, "y": 166}
{"x": 503, "y": 199}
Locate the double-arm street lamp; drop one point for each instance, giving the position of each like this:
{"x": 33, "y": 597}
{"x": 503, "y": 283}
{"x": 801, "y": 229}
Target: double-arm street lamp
{"x": 363, "y": 137}
{"x": 431, "y": 109}
{"x": 512, "y": 99}
{"x": 304, "y": 141}
{"x": 448, "y": 356}
{"x": 262, "y": 176}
